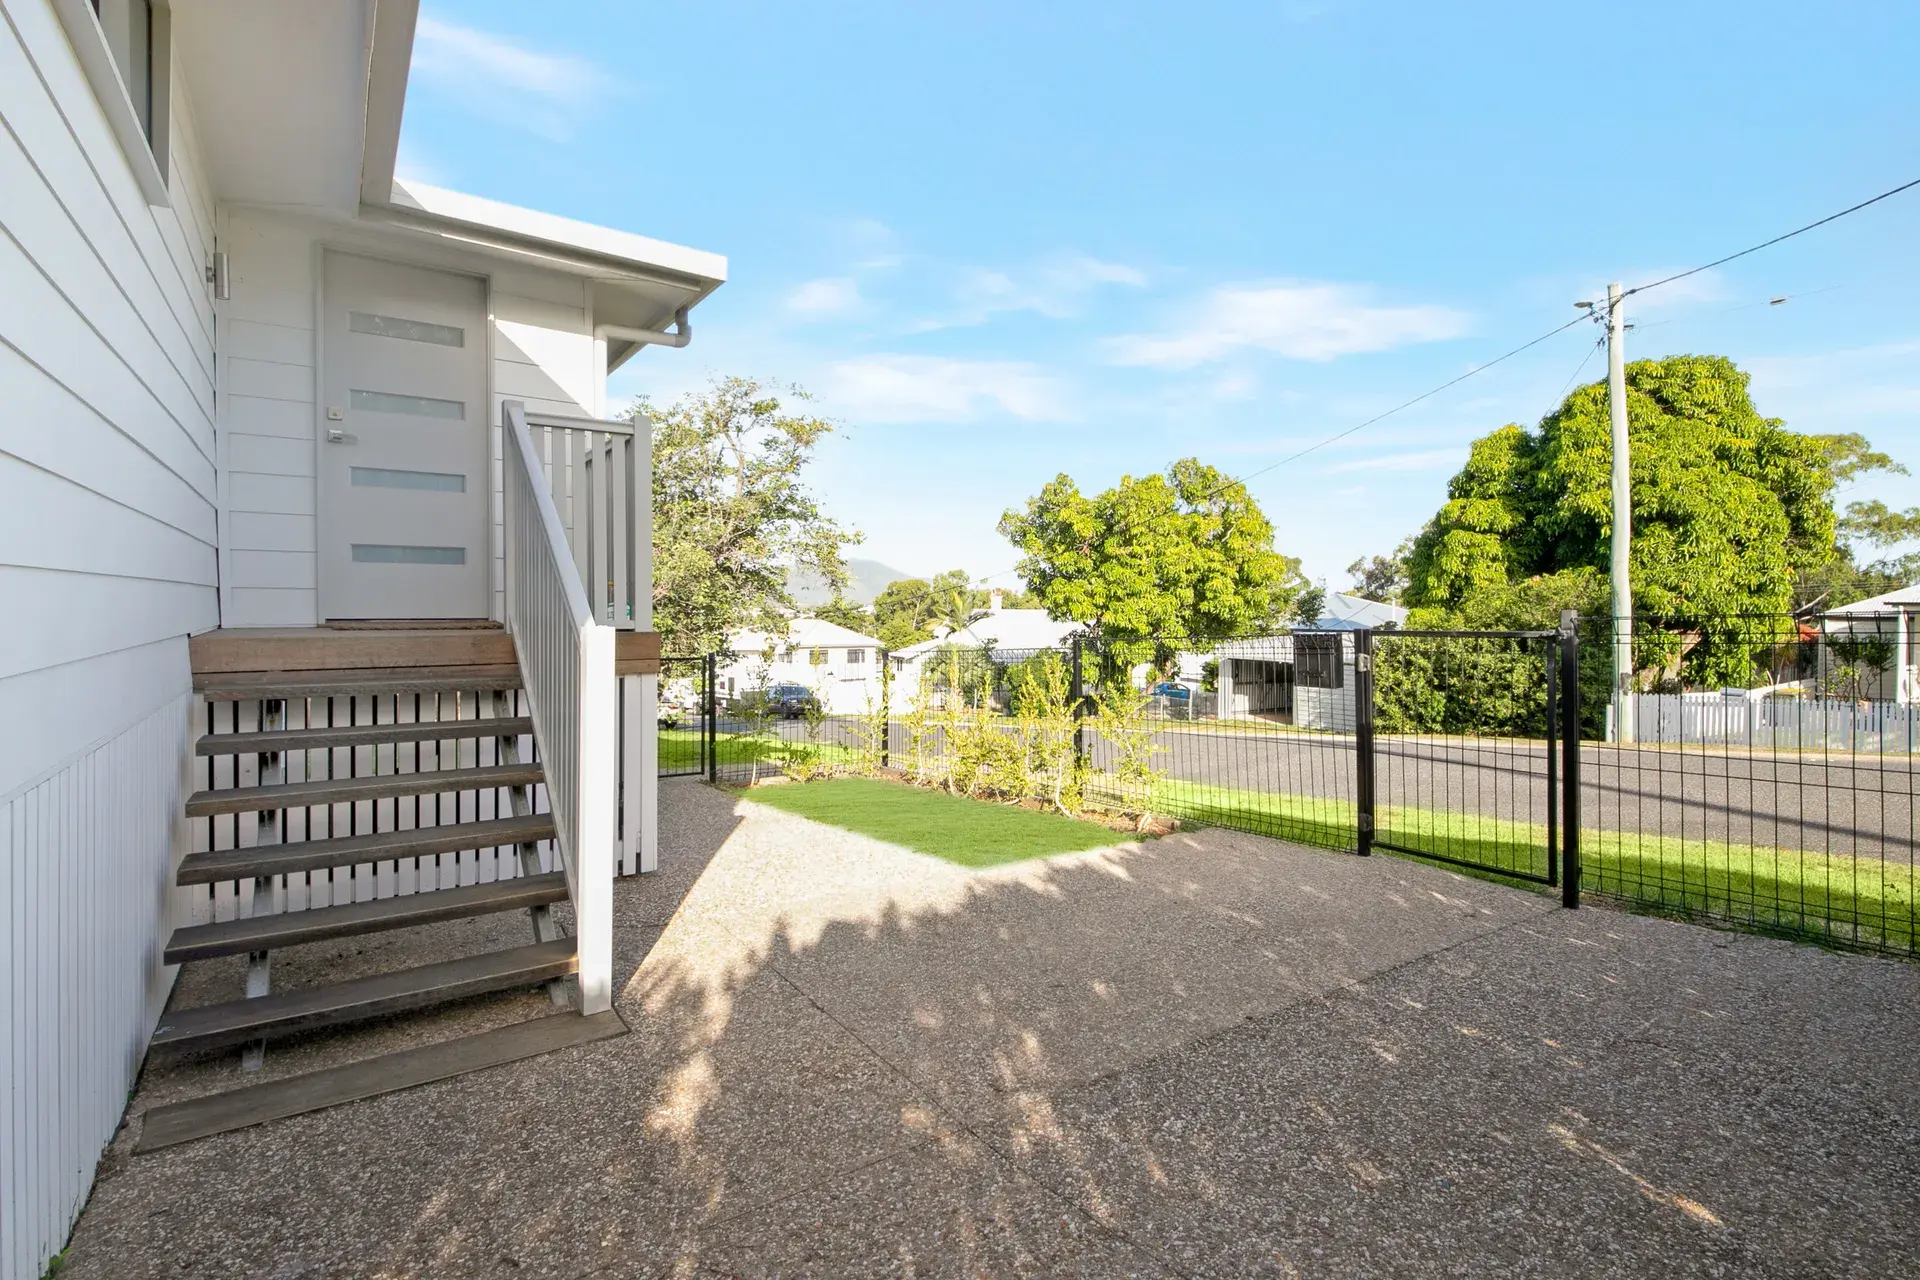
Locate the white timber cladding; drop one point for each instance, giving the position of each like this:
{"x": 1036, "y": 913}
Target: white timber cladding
{"x": 541, "y": 338}
{"x": 86, "y": 872}
{"x": 108, "y": 561}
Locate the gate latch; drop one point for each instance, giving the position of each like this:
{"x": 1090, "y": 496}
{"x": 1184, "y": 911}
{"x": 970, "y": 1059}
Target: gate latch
{"x": 1363, "y": 662}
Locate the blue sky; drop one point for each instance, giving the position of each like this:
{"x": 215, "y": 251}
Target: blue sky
{"x": 1001, "y": 241}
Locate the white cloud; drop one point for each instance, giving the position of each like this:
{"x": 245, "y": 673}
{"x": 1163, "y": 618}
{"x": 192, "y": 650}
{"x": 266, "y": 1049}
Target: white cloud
{"x": 1426, "y": 460}
{"x": 1829, "y": 389}
{"x": 900, "y": 388}
{"x": 1299, "y": 321}
{"x": 826, "y": 299}
{"x": 542, "y": 92}
{"x": 1703, "y": 286}
{"x": 1056, "y": 288}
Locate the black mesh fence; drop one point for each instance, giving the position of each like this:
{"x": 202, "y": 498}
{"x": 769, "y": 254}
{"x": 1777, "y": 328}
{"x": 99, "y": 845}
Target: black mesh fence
{"x": 1759, "y": 770}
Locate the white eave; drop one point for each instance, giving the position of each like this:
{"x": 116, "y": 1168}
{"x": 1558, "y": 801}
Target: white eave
{"x": 621, "y": 251}
{"x": 300, "y": 107}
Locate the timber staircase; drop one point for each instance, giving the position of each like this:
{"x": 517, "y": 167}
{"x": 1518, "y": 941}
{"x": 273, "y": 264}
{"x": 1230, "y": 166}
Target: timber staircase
{"x": 351, "y": 782}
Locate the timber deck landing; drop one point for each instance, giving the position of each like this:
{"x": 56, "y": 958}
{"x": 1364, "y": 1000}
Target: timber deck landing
{"x": 344, "y": 647}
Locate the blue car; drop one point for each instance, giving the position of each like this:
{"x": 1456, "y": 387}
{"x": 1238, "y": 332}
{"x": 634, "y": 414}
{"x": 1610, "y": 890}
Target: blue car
{"x": 1174, "y": 701}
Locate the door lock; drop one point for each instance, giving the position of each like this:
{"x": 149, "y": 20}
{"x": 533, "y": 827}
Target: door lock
{"x": 336, "y": 436}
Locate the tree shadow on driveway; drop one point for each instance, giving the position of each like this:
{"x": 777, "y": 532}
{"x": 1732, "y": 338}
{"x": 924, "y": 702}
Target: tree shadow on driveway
{"x": 1208, "y": 1054}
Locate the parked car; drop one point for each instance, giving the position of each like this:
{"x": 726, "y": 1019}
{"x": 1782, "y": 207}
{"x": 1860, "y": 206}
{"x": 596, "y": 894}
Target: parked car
{"x": 672, "y": 711}
{"x": 680, "y": 703}
{"x": 790, "y": 701}
{"x": 1174, "y": 701}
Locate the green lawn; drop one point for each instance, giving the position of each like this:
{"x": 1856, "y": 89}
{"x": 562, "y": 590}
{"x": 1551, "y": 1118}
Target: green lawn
{"x": 971, "y": 833}
{"x": 680, "y": 750}
{"x": 1853, "y": 901}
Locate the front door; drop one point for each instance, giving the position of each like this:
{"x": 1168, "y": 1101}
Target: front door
{"x": 403, "y": 483}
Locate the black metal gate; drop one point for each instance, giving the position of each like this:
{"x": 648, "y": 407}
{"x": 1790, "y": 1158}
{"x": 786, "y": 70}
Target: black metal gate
{"x": 1466, "y": 752}
{"x": 688, "y": 720}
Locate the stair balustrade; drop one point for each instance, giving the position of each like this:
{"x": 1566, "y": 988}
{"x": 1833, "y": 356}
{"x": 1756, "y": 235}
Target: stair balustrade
{"x": 598, "y": 475}
{"x": 564, "y": 636}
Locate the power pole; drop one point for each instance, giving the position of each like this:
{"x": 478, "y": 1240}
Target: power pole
{"x": 1622, "y": 552}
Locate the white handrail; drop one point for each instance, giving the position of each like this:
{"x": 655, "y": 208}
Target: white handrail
{"x": 599, "y": 477}
{"x": 566, "y": 664}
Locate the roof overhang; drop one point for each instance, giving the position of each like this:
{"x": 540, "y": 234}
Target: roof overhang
{"x": 638, "y": 282}
{"x": 285, "y": 108}
{"x": 298, "y": 106}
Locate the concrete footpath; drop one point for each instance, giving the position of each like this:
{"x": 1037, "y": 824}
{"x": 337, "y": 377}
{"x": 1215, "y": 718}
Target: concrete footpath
{"x": 1210, "y": 1054}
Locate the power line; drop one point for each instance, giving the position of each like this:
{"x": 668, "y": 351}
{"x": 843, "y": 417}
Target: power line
{"x": 1525, "y": 346}
{"x": 1771, "y": 300}
{"x": 1580, "y": 368}
{"x": 1765, "y": 244}
{"x": 1341, "y": 435}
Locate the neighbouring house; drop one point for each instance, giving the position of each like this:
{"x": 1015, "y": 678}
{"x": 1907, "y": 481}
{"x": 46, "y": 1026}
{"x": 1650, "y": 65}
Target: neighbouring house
{"x": 1304, "y": 677}
{"x": 1007, "y": 635}
{"x": 307, "y": 509}
{"x": 1893, "y": 620}
{"x": 840, "y": 666}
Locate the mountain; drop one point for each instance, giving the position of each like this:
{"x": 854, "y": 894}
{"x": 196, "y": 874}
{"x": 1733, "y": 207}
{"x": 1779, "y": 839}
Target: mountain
{"x": 868, "y": 579}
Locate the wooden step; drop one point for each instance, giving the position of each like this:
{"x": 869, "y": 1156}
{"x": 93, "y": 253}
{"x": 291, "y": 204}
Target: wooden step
{"x": 286, "y": 1012}
{"x": 411, "y": 624}
{"x": 362, "y": 735}
{"x": 265, "y": 649}
{"x": 290, "y": 928}
{"x": 296, "y": 1095}
{"x": 249, "y": 685}
{"x": 382, "y": 786}
{"x": 347, "y": 851}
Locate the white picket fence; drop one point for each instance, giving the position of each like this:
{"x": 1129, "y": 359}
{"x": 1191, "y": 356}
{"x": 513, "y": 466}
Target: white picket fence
{"x": 1738, "y": 717}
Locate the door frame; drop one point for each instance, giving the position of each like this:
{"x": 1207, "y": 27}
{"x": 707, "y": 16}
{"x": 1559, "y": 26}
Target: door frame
{"x": 322, "y": 246}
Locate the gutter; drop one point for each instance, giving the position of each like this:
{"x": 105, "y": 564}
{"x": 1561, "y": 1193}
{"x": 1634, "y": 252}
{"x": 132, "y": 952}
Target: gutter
{"x": 681, "y": 336}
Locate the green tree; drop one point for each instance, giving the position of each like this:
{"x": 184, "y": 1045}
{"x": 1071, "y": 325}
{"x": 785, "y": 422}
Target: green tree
{"x": 1456, "y": 686}
{"x": 1728, "y": 507}
{"x": 1309, "y": 605}
{"x": 1154, "y": 562}
{"x": 905, "y": 612}
{"x": 1861, "y": 564}
{"x": 1382, "y": 578}
{"x": 732, "y": 511}
{"x": 843, "y": 612}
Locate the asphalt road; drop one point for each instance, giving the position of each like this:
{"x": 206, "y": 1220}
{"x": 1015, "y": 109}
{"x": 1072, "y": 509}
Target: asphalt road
{"x": 1835, "y": 803}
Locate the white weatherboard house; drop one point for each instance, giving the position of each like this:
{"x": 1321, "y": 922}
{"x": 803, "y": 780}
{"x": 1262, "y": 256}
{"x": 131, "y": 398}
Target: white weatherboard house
{"x": 328, "y": 590}
{"x": 1893, "y": 618}
{"x": 1010, "y": 635}
{"x": 840, "y": 666}
{"x": 1305, "y": 677}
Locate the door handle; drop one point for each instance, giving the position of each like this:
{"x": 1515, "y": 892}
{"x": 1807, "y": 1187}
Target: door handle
{"x": 336, "y": 436}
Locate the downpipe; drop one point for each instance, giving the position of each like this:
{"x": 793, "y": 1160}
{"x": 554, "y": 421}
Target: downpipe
{"x": 681, "y": 335}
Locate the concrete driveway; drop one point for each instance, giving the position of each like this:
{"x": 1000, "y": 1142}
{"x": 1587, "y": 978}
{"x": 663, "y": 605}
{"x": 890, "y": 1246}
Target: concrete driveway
{"x": 1211, "y": 1054}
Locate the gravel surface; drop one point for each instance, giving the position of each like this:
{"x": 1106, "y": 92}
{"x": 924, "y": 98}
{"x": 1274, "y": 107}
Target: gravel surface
{"x": 1207, "y": 1055}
